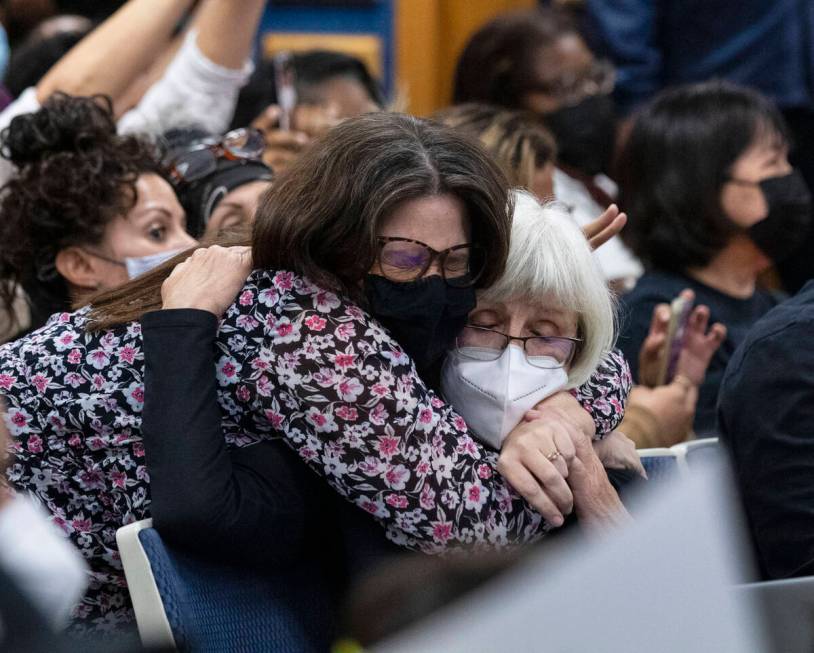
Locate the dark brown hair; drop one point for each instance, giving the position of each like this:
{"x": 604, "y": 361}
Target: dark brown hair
{"x": 675, "y": 162}
{"x": 321, "y": 217}
{"x": 497, "y": 64}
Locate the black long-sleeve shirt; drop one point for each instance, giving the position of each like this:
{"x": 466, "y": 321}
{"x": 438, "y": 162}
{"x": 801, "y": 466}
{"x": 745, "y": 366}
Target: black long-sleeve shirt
{"x": 766, "y": 416}
{"x": 258, "y": 505}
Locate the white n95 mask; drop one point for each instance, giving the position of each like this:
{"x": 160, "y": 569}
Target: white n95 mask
{"x": 493, "y": 395}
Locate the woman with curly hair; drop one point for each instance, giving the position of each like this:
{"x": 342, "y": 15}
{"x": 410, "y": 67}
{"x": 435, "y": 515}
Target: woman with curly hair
{"x": 368, "y": 253}
{"x": 87, "y": 210}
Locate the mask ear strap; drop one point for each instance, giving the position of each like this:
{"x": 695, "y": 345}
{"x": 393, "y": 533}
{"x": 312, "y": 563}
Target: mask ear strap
{"x": 741, "y": 182}
{"x": 103, "y": 257}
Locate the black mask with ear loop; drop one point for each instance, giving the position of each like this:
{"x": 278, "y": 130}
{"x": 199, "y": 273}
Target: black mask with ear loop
{"x": 784, "y": 229}
{"x": 423, "y": 316}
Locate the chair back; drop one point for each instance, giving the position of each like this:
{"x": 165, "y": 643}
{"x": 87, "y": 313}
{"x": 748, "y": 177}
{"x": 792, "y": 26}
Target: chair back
{"x": 182, "y": 601}
{"x": 660, "y": 463}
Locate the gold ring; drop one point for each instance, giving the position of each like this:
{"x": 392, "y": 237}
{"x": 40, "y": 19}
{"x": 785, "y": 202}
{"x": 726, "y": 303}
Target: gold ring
{"x": 554, "y": 455}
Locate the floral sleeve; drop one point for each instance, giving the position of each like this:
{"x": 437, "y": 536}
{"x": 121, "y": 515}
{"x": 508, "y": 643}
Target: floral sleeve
{"x": 605, "y": 394}
{"x": 318, "y": 371}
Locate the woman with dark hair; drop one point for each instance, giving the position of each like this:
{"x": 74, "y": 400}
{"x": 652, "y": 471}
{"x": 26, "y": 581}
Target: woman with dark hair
{"x": 367, "y": 254}
{"x": 712, "y": 201}
{"x": 87, "y": 209}
{"x": 537, "y": 61}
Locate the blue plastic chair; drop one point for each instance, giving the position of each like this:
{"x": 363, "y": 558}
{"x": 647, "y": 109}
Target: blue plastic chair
{"x": 182, "y": 601}
{"x": 660, "y": 464}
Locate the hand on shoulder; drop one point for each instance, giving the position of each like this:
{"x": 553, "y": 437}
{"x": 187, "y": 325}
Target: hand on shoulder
{"x": 209, "y": 280}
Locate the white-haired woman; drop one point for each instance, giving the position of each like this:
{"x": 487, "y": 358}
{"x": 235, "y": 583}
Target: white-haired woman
{"x": 198, "y": 501}
{"x": 544, "y": 327}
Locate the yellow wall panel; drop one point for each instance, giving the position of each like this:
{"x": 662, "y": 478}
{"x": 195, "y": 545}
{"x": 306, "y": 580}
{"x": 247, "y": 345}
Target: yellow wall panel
{"x": 366, "y": 47}
{"x": 430, "y": 35}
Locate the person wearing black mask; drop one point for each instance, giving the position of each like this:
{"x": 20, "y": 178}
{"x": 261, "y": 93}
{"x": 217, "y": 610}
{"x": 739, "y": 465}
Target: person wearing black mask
{"x": 537, "y": 61}
{"x": 712, "y": 201}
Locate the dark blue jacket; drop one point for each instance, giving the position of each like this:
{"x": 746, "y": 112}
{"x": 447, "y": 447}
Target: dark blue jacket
{"x": 766, "y": 44}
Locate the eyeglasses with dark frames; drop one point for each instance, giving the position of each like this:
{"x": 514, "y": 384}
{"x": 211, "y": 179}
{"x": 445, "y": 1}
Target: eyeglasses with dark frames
{"x": 546, "y": 352}
{"x": 403, "y": 260}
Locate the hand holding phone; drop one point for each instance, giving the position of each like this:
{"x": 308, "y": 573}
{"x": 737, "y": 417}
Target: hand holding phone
{"x": 284, "y": 81}
{"x": 680, "y": 311}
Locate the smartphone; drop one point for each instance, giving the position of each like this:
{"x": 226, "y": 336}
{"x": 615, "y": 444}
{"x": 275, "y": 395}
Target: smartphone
{"x": 284, "y": 81}
{"x": 680, "y": 310}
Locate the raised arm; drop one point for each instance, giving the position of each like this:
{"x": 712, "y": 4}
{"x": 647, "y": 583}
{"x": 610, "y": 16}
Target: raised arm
{"x": 111, "y": 57}
{"x": 226, "y": 30}
{"x": 201, "y": 85}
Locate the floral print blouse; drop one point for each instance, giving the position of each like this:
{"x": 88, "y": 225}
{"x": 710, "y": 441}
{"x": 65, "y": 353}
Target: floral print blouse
{"x": 295, "y": 362}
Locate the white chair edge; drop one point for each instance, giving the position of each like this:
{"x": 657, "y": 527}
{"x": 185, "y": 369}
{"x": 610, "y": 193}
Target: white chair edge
{"x": 153, "y": 626}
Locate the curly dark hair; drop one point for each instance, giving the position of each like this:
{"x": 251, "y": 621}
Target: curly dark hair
{"x": 74, "y": 175}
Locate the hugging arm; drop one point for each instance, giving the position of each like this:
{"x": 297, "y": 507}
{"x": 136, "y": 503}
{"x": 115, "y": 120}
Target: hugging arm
{"x": 605, "y": 394}
{"x": 350, "y": 402}
{"x": 252, "y": 501}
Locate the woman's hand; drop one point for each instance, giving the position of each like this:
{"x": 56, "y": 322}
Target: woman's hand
{"x": 698, "y": 347}
{"x": 535, "y": 459}
{"x": 672, "y": 407}
{"x": 595, "y": 501}
{"x": 617, "y": 451}
{"x": 209, "y": 280}
{"x": 563, "y": 405}
{"x": 605, "y": 227}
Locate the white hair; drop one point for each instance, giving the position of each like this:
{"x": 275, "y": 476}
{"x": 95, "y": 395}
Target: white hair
{"x": 551, "y": 260}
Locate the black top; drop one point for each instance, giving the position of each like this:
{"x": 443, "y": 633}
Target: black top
{"x": 257, "y": 505}
{"x": 738, "y": 315}
{"x": 766, "y": 418}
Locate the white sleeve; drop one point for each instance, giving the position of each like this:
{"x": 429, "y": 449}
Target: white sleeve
{"x": 41, "y": 560}
{"x": 27, "y": 102}
{"x": 193, "y": 91}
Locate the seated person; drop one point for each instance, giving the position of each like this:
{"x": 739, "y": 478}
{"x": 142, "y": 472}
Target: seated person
{"x": 552, "y": 297}
{"x": 218, "y": 180}
{"x": 711, "y": 201}
{"x": 766, "y": 418}
{"x": 537, "y": 61}
{"x": 68, "y": 230}
{"x": 656, "y": 416}
{"x": 76, "y": 405}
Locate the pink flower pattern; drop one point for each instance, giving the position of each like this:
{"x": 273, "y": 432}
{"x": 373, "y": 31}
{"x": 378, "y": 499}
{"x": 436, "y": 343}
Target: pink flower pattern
{"x": 335, "y": 386}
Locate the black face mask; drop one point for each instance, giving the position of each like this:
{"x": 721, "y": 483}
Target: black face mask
{"x": 423, "y": 316}
{"x": 784, "y": 229}
{"x": 585, "y": 134}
